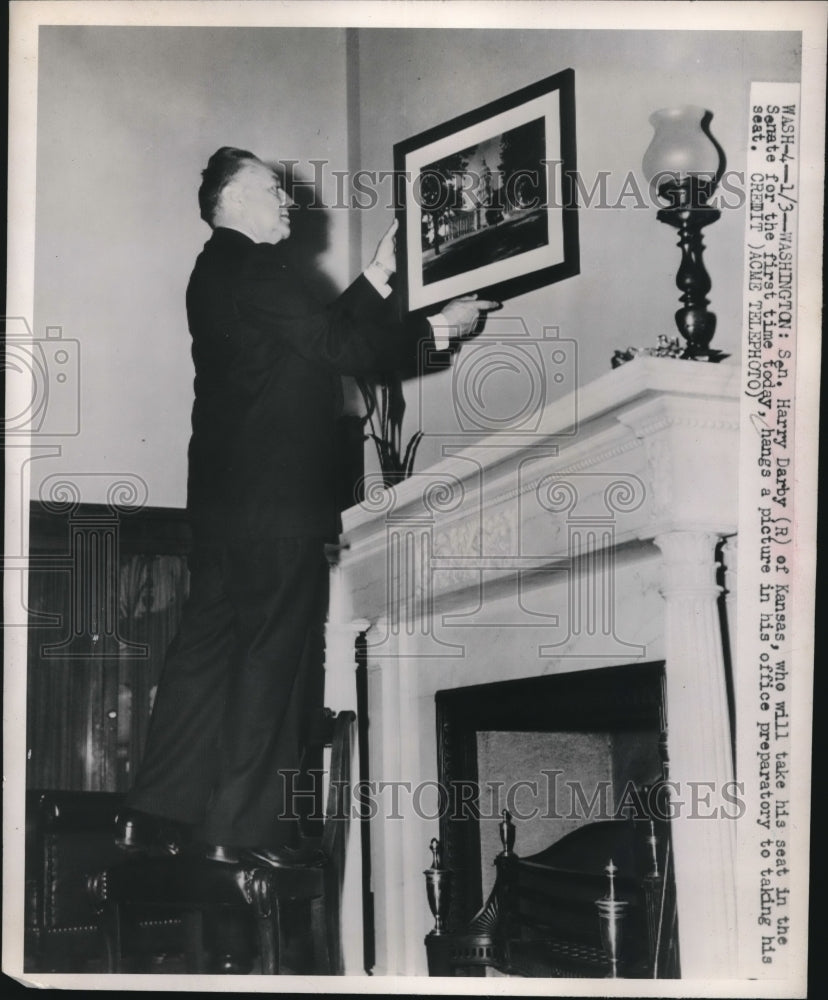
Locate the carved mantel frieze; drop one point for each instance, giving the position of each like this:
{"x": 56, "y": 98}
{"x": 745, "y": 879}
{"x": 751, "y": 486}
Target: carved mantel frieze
{"x": 690, "y": 443}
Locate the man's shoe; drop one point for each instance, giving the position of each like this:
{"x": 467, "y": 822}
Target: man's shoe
{"x": 284, "y": 857}
{"x": 142, "y": 833}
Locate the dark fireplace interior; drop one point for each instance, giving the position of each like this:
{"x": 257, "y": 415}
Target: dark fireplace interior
{"x": 558, "y": 751}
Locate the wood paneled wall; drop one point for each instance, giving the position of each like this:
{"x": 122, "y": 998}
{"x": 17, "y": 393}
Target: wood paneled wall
{"x": 106, "y": 591}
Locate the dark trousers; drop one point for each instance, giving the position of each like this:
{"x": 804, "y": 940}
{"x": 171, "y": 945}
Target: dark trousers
{"x": 240, "y": 688}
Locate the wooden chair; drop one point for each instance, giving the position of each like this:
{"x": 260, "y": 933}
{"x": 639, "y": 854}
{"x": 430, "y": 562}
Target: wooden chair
{"x": 69, "y": 835}
{"x": 196, "y": 887}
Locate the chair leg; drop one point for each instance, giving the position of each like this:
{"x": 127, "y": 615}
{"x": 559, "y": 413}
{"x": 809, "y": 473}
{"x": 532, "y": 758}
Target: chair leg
{"x": 108, "y": 918}
{"x": 193, "y": 926}
{"x": 110, "y": 923}
{"x": 319, "y": 934}
{"x": 333, "y": 926}
{"x": 266, "y": 904}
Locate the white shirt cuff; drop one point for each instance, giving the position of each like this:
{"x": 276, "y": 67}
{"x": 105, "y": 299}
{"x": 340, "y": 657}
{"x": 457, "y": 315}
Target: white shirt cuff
{"x": 379, "y": 279}
{"x": 441, "y": 328}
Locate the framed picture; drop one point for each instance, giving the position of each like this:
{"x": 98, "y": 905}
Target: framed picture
{"x": 485, "y": 201}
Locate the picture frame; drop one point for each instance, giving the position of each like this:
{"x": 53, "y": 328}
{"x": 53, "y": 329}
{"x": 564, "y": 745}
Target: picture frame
{"x": 486, "y": 201}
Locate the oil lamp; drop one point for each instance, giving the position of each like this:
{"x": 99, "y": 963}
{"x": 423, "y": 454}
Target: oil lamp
{"x": 683, "y": 165}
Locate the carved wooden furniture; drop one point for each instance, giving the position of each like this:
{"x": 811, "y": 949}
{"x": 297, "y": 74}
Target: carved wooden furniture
{"x": 265, "y": 895}
{"x": 181, "y": 885}
{"x": 68, "y": 836}
{"x": 548, "y": 914}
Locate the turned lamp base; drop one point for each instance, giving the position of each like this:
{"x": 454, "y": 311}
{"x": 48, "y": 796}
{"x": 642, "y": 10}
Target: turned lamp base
{"x": 688, "y": 213}
{"x": 695, "y": 322}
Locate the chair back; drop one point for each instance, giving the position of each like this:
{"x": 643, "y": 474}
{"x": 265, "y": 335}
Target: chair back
{"x": 338, "y": 806}
{"x": 68, "y": 835}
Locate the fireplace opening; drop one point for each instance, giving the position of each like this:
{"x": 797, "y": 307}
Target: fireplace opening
{"x": 557, "y": 751}
{"x": 553, "y": 783}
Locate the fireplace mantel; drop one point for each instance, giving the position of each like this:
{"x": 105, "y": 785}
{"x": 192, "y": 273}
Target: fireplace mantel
{"x": 593, "y": 541}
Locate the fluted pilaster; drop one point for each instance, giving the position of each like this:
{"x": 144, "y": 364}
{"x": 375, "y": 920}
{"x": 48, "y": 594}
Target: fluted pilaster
{"x": 701, "y": 765}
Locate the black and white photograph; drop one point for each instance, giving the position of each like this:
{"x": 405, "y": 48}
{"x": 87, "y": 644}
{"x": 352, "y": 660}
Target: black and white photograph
{"x": 495, "y": 211}
{"x": 465, "y": 204}
{"x": 411, "y": 496}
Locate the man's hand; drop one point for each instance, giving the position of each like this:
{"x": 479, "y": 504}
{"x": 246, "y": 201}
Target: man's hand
{"x": 463, "y": 315}
{"x": 385, "y": 256}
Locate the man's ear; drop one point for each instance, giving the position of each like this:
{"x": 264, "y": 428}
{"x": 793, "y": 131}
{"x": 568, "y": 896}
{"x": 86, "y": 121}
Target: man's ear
{"x": 229, "y": 204}
{"x": 231, "y": 194}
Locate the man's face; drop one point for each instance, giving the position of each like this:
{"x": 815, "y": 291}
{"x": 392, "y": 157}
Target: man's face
{"x": 263, "y": 203}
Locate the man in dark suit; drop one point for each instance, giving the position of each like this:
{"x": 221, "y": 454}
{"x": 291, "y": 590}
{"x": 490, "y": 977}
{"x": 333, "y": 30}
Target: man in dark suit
{"x": 244, "y": 676}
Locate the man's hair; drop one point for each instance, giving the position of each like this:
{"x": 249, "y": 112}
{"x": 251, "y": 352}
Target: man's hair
{"x": 221, "y": 168}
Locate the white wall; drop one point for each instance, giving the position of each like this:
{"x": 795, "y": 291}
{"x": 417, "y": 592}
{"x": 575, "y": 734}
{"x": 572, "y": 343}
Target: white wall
{"x": 625, "y": 294}
{"x": 127, "y": 118}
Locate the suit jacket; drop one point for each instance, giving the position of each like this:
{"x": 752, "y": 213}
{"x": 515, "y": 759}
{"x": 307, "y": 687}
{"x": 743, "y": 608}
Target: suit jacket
{"x": 268, "y": 359}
